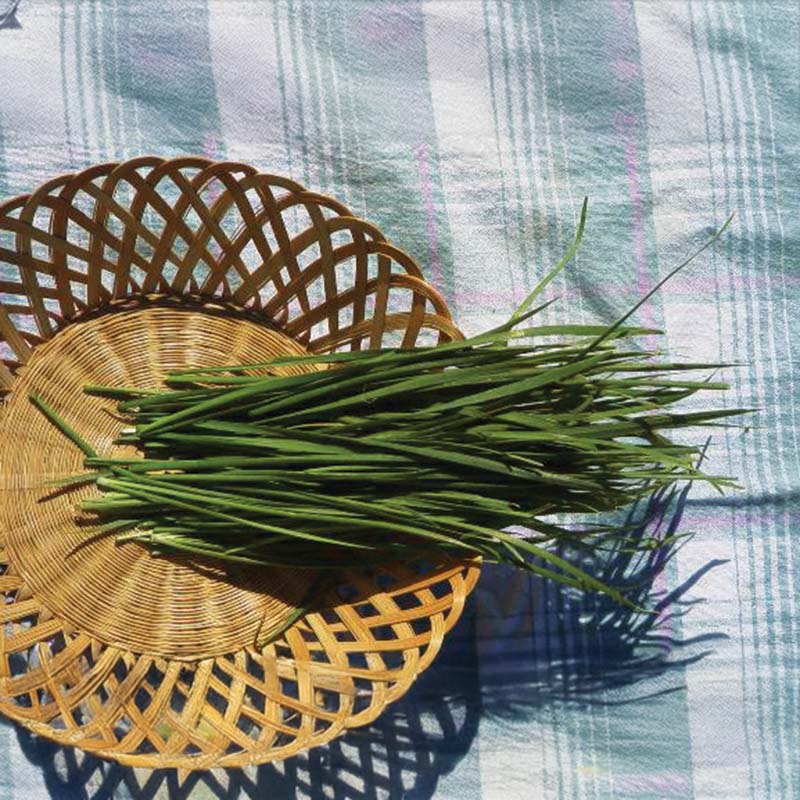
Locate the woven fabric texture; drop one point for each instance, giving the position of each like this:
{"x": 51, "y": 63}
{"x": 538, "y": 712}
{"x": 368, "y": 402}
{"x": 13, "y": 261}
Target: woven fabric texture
{"x": 469, "y": 132}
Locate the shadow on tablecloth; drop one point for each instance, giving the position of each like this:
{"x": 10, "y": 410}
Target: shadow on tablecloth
{"x": 579, "y": 650}
{"x": 418, "y": 739}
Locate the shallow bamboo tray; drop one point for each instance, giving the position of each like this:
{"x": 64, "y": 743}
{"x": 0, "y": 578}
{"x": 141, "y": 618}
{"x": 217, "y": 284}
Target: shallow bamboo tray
{"x": 116, "y": 275}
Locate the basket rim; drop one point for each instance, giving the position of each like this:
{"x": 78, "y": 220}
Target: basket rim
{"x": 389, "y": 687}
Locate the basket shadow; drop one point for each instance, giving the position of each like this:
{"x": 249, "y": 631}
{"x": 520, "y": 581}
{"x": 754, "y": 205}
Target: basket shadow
{"x": 405, "y": 752}
{"x": 8, "y": 15}
{"x": 583, "y": 651}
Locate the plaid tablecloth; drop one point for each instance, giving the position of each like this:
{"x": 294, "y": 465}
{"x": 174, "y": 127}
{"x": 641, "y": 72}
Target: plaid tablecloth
{"x": 469, "y": 132}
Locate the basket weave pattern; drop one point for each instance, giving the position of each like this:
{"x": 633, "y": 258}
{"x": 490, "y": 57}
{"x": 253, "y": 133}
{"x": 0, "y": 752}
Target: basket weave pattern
{"x": 117, "y": 275}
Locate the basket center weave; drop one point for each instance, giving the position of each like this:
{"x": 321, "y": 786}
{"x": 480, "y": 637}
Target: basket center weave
{"x": 120, "y": 594}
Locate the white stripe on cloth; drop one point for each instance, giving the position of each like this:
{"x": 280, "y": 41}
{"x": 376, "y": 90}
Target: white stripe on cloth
{"x": 684, "y": 183}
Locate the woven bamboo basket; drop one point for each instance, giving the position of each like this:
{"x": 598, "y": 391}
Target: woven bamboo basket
{"x": 115, "y": 276}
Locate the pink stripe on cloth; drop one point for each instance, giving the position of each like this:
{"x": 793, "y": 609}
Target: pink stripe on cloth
{"x": 625, "y": 125}
{"x": 430, "y": 217}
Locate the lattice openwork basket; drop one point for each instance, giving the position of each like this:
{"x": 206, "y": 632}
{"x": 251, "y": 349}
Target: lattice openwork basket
{"x": 117, "y": 275}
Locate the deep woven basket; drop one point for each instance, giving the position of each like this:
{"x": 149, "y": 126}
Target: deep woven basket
{"x": 115, "y": 276}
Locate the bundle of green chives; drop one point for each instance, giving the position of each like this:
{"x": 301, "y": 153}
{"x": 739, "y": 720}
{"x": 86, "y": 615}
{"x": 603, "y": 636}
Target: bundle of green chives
{"x": 400, "y": 453}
